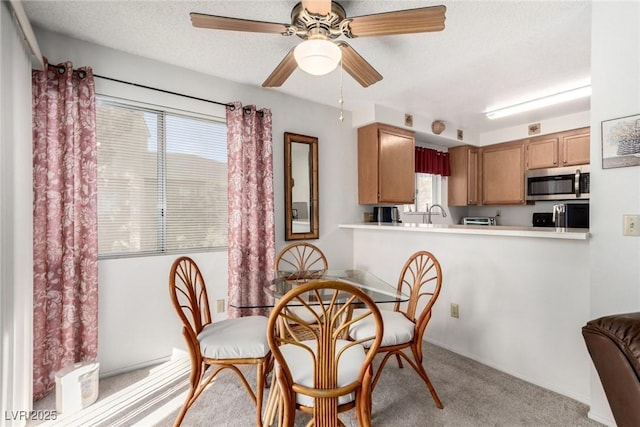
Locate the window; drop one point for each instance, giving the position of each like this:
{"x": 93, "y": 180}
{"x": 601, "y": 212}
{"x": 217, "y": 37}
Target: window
{"x": 427, "y": 192}
{"x": 162, "y": 180}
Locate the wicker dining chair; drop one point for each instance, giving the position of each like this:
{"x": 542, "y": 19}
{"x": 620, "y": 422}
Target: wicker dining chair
{"x": 325, "y": 373}
{"x": 300, "y": 260}
{"x": 299, "y": 263}
{"x": 421, "y": 279}
{"x": 226, "y": 343}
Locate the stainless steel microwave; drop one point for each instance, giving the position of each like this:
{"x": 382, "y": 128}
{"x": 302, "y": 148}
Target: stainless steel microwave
{"x": 566, "y": 183}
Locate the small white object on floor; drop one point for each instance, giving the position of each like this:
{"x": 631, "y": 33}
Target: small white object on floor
{"x": 76, "y": 386}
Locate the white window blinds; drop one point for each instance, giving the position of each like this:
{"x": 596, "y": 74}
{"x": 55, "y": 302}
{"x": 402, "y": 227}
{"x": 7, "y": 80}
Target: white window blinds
{"x": 162, "y": 181}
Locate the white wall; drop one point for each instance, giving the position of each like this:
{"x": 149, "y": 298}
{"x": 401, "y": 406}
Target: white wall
{"x": 16, "y": 222}
{"x": 556, "y": 124}
{"x": 615, "y": 259}
{"x": 521, "y": 308}
{"x": 135, "y": 312}
{"x": 421, "y": 125}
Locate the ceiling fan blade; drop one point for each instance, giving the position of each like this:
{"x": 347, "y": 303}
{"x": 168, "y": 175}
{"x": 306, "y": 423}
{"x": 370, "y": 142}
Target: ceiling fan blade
{"x": 318, "y": 7}
{"x": 409, "y": 21}
{"x": 357, "y": 67}
{"x": 234, "y": 24}
{"x": 282, "y": 71}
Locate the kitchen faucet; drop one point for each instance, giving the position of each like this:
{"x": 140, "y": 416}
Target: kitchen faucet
{"x": 444, "y": 214}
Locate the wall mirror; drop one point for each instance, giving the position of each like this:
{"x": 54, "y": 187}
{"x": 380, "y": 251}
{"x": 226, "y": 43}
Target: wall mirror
{"x": 301, "y": 187}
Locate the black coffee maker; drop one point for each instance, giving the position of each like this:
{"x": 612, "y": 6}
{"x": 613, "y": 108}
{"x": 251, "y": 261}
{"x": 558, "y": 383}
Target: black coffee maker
{"x": 386, "y": 214}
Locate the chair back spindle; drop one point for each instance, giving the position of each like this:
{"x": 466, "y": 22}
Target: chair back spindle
{"x": 300, "y": 261}
{"x": 189, "y": 295}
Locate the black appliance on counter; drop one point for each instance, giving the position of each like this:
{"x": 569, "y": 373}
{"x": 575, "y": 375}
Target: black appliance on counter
{"x": 564, "y": 215}
{"x": 571, "y": 215}
{"x": 543, "y": 219}
{"x": 386, "y": 214}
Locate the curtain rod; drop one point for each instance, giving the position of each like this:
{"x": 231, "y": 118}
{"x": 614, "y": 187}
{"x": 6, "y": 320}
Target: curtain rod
{"x": 165, "y": 91}
{"x": 61, "y": 68}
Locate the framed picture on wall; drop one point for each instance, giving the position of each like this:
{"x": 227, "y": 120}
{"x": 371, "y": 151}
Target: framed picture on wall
{"x": 621, "y": 142}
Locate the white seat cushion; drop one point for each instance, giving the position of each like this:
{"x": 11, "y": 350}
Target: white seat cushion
{"x": 300, "y": 363}
{"x": 397, "y": 328}
{"x": 244, "y": 337}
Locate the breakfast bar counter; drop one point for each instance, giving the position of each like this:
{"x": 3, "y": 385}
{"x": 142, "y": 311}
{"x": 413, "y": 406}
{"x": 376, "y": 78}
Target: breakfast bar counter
{"x": 520, "y": 294}
{"x": 489, "y": 230}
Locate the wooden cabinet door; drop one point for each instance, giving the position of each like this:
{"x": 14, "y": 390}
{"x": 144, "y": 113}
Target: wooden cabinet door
{"x": 542, "y": 152}
{"x": 472, "y": 177}
{"x": 457, "y": 182}
{"x": 575, "y": 147}
{"x": 386, "y": 165}
{"x": 559, "y": 149}
{"x": 463, "y": 182}
{"x": 503, "y": 174}
{"x": 397, "y": 167}
{"x": 368, "y": 165}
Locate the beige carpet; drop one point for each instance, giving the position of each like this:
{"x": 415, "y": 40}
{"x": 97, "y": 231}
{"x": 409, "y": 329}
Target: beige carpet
{"x": 473, "y": 395}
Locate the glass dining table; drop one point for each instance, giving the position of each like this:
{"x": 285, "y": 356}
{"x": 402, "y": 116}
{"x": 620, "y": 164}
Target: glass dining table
{"x": 276, "y": 284}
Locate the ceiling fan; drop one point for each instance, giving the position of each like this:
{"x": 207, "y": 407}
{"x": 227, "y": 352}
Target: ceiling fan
{"x": 319, "y": 22}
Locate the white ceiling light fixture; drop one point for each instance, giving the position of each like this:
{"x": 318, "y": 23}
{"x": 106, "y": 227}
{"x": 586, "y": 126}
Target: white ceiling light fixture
{"x": 317, "y": 56}
{"x": 545, "y": 101}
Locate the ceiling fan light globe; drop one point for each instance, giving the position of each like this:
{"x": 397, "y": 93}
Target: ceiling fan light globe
{"x": 317, "y": 57}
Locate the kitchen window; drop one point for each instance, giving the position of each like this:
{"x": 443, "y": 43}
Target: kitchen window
{"x": 162, "y": 180}
{"x": 427, "y": 192}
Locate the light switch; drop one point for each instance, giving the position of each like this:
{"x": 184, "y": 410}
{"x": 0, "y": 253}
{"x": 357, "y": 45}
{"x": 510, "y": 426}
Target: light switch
{"x": 631, "y": 225}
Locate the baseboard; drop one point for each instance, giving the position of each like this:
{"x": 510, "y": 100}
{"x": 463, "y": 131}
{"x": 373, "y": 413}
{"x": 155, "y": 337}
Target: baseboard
{"x": 135, "y": 367}
{"x": 551, "y": 387}
{"x": 603, "y": 420}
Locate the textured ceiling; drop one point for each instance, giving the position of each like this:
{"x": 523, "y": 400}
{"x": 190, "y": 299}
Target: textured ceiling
{"x": 490, "y": 54}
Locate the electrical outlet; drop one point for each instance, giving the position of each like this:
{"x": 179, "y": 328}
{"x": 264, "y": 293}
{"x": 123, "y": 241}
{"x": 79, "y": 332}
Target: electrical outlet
{"x": 220, "y": 306}
{"x": 631, "y": 225}
{"x": 455, "y": 311}
{"x": 498, "y": 212}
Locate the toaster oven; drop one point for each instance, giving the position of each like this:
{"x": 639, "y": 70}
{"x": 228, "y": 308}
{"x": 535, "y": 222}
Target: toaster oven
{"x": 479, "y": 220}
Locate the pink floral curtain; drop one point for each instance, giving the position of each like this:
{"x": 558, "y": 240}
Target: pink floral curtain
{"x": 432, "y": 161}
{"x": 251, "y": 211}
{"x": 65, "y": 242}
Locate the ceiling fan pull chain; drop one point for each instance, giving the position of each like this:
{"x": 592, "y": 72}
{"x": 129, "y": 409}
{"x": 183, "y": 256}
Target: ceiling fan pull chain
{"x": 341, "y": 100}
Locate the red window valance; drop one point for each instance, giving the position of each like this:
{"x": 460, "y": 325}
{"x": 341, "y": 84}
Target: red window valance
{"x": 432, "y": 161}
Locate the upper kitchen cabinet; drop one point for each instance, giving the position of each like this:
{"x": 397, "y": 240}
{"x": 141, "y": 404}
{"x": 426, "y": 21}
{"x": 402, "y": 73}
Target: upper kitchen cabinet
{"x": 463, "y": 182}
{"x": 559, "y": 149}
{"x": 574, "y": 147}
{"x": 542, "y": 152}
{"x": 386, "y": 165}
{"x": 503, "y": 174}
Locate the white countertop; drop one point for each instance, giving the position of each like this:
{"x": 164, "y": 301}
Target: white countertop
{"x": 489, "y": 230}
